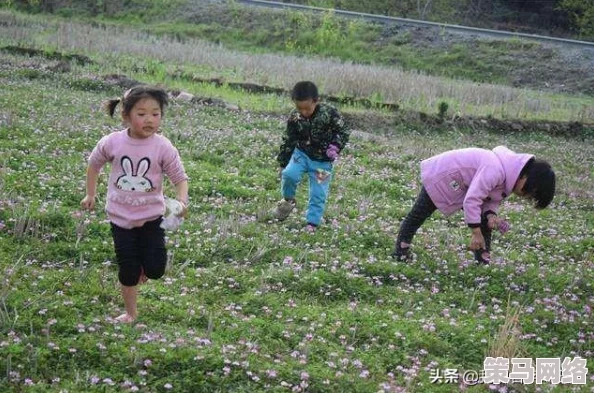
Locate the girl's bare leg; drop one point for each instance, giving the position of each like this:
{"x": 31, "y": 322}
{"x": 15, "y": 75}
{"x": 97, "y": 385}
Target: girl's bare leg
{"x": 129, "y": 294}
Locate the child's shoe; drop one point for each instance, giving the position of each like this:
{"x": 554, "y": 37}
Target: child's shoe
{"x": 283, "y": 209}
{"x": 401, "y": 254}
{"x": 482, "y": 257}
{"x": 310, "y": 228}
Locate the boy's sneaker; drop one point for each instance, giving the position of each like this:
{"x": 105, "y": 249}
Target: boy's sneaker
{"x": 310, "y": 228}
{"x": 283, "y": 209}
{"x": 401, "y": 254}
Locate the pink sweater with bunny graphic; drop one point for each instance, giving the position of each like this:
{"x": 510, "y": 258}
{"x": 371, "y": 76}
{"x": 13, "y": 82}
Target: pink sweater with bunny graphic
{"x": 135, "y": 185}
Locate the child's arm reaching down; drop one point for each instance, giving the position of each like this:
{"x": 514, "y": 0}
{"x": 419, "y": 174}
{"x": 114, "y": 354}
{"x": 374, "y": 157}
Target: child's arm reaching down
{"x": 88, "y": 202}
{"x": 477, "y": 240}
{"x": 174, "y": 169}
{"x": 181, "y": 191}
{"x": 175, "y": 217}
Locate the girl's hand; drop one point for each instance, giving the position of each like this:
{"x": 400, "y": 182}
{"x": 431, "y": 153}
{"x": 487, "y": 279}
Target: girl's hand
{"x": 184, "y": 212}
{"x": 88, "y": 202}
{"x": 495, "y": 222}
{"x": 504, "y": 226}
{"x": 477, "y": 241}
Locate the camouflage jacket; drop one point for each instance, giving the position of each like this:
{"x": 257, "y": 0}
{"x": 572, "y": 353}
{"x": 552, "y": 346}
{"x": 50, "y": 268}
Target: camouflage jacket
{"x": 313, "y": 136}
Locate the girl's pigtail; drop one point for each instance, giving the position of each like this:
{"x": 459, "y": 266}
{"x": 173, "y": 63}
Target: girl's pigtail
{"x": 111, "y": 105}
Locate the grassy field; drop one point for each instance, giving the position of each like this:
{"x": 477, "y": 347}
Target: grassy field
{"x": 434, "y": 51}
{"x": 165, "y": 58}
{"x": 252, "y": 305}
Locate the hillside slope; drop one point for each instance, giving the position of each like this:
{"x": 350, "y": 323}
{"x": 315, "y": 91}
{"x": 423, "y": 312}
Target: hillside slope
{"x": 518, "y": 63}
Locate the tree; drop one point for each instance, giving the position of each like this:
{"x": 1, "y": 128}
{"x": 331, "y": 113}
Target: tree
{"x": 422, "y": 9}
{"x": 581, "y": 13}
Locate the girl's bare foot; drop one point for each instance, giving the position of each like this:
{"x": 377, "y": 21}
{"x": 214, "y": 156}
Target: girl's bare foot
{"x": 125, "y": 318}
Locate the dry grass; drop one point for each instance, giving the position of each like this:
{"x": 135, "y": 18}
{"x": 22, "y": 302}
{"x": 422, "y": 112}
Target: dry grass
{"x": 409, "y": 89}
{"x": 506, "y": 343}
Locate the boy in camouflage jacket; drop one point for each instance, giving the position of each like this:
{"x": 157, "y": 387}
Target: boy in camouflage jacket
{"x": 315, "y": 136}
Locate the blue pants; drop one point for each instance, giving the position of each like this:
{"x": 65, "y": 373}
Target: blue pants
{"x": 318, "y": 188}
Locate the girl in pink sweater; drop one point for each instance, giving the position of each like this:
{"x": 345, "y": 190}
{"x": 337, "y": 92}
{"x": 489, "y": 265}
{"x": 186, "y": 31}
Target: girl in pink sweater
{"x": 139, "y": 158}
{"x": 476, "y": 181}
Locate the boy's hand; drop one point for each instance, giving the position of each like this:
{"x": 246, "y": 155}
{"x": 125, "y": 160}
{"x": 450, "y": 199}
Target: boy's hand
{"x": 477, "y": 241}
{"x": 332, "y": 152}
{"x": 88, "y": 202}
{"x": 280, "y": 172}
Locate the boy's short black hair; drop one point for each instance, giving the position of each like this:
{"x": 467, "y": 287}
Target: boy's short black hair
{"x": 540, "y": 182}
{"x": 304, "y": 90}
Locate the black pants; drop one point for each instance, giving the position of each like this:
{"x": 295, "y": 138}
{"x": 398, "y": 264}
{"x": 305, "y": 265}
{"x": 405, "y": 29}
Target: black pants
{"x": 140, "y": 248}
{"x": 423, "y": 209}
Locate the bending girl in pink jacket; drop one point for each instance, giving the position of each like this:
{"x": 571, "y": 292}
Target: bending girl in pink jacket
{"x": 476, "y": 180}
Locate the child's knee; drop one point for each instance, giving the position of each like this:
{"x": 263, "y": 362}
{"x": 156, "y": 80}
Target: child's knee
{"x": 291, "y": 175}
{"x": 155, "y": 273}
{"x": 154, "y": 266}
{"x": 128, "y": 276}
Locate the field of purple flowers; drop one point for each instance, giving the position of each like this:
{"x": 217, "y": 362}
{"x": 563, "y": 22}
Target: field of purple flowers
{"x": 252, "y": 305}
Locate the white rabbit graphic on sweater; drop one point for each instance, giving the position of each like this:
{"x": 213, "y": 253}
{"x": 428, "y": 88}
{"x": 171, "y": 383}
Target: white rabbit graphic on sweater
{"x": 135, "y": 181}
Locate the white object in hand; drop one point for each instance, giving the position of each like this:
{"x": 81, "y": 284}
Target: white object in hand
{"x": 171, "y": 219}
